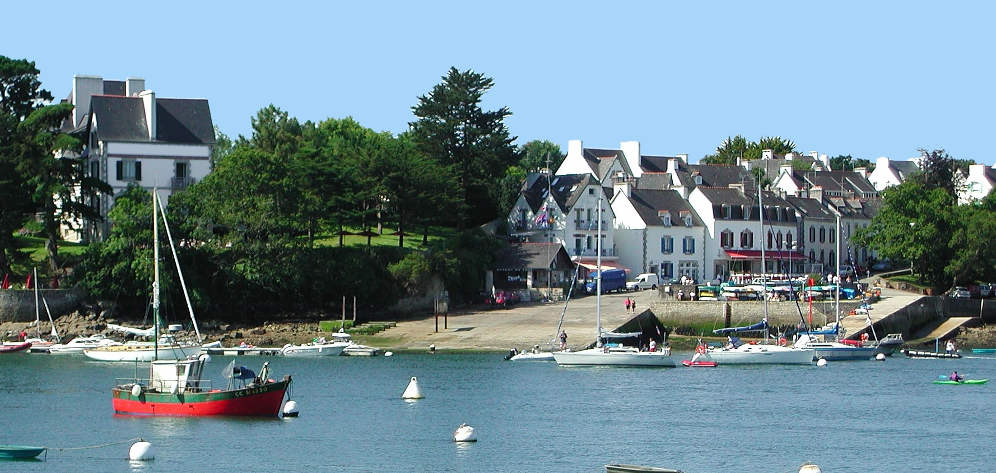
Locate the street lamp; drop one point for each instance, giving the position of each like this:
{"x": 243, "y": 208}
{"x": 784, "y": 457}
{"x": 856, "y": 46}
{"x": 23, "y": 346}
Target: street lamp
{"x": 913, "y": 239}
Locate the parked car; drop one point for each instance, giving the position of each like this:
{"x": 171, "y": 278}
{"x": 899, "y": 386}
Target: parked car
{"x": 959, "y": 292}
{"x": 643, "y": 281}
{"x": 883, "y": 265}
{"x": 846, "y": 270}
{"x": 612, "y": 280}
{"x": 986, "y": 290}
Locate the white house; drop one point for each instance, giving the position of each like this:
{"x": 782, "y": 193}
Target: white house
{"x": 889, "y": 173}
{"x": 733, "y": 237}
{"x": 979, "y": 183}
{"x": 134, "y": 138}
{"x": 656, "y": 231}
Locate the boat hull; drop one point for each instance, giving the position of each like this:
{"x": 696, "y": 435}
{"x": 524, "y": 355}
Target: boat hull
{"x": 761, "y": 355}
{"x": 967, "y": 381}
{"x": 929, "y": 354}
{"x": 699, "y": 364}
{"x": 841, "y": 352}
{"x": 20, "y": 451}
{"x": 598, "y": 357}
{"x": 334, "y": 349}
{"x": 140, "y": 354}
{"x": 529, "y": 356}
{"x": 15, "y": 348}
{"x": 260, "y": 401}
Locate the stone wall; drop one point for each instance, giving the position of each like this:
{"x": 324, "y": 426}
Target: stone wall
{"x": 780, "y": 313}
{"x": 19, "y": 305}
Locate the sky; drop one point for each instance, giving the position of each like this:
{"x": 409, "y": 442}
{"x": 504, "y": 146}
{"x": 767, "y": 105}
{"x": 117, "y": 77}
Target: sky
{"x": 867, "y": 79}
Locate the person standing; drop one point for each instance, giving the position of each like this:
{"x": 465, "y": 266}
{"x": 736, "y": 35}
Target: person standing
{"x": 563, "y": 340}
{"x": 949, "y": 348}
{"x": 628, "y": 303}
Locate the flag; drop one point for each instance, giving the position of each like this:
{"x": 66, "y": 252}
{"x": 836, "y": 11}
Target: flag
{"x": 27, "y": 284}
{"x": 6, "y": 281}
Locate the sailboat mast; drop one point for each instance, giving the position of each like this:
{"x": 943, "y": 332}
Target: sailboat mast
{"x": 155, "y": 277}
{"x": 598, "y": 267}
{"x": 764, "y": 276}
{"x": 37, "y": 313}
{"x": 836, "y": 307}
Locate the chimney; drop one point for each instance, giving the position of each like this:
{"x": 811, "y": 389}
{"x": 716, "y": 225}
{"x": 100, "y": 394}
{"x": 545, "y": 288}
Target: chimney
{"x": 632, "y": 151}
{"x": 683, "y": 158}
{"x": 826, "y": 161}
{"x": 149, "y": 99}
{"x": 882, "y": 163}
{"x": 815, "y": 155}
{"x": 785, "y": 169}
{"x": 738, "y": 186}
{"x": 862, "y": 171}
{"x": 789, "y": 156}
{"x": 767, "y": 154}
{"x": 739, "y": 161}
{"x": 672, "y": 166}
{"x": 621, "y": 183}
{"x": 84, "y": 87}
{"x": 816, "y": 192}
{"x": 134, "y": 85}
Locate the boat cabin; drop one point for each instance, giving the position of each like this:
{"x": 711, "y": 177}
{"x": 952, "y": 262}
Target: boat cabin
{"x": 176, "y": 376}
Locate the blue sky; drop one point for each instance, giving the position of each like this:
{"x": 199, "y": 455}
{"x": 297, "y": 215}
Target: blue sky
{"x": 862, "y": 78}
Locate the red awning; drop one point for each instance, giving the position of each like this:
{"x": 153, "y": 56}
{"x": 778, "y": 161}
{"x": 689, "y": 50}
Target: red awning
{"x": 605, "y": 265}
{"x": 770, "y": 254}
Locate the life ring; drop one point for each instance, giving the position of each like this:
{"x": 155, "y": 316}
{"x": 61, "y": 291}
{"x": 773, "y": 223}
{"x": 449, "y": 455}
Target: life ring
{"x": 864, "y": 337}
{"x": 700, "y": 349}
{"x": 782, "y": 341}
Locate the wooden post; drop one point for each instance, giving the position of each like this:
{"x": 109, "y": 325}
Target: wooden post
{"x": 342, "y": 324}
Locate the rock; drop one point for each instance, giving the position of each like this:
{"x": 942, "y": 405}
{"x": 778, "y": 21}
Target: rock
{"x": 225, "y": 327}
{"x": 259, "y": 331}
{"x": 238, "y": 335}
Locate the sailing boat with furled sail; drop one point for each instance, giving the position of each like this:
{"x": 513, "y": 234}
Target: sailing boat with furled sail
{"x": 174, "y": 386}
{"x": 605, "y": 353}
{"x": 736, "y": 352}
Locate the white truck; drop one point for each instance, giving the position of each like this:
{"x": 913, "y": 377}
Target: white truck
{"x": 643, "y": 281}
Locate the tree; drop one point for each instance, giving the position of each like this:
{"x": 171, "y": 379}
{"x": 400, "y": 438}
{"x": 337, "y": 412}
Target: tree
{"x": 974, "y": 256}
{"x": 20, "y": 94}
{"x": 534, "y": 156}
{"x": 937, "y": 171}
{"x": 222, "y": 146}
{"x": 739, "y": 147}
{"x": 845, "y": 162}
{"x": 474, "y": 144}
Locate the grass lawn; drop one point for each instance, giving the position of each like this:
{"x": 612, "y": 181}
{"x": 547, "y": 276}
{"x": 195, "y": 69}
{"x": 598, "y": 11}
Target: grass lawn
{"x": 34, "y": 255}
{"x": 412, "y": 240}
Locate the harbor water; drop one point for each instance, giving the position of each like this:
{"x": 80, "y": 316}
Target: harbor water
{"x": 859, "y": 416}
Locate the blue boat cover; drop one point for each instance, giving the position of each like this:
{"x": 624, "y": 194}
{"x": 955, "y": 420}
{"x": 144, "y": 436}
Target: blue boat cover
{"x": 762, "y": 325}
{"x": 242, "y": 372}
{"x": 824, "y": 331}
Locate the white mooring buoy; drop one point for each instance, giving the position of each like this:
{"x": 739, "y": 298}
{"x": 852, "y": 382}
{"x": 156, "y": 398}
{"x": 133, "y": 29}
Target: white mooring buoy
{"x": 290, "y": 409}
{"x": 432, "y": 348}
{"x": 141, "y": 451}
{"x": 389, "y": 353}
{"x": 880, "y": 357}
{"x": 413, "y": 391}
{"x": 810, "y": 468}
{"x": 136, "y": 390}
{"x": 464, "y": 433}
{"x": 821, "y": 362}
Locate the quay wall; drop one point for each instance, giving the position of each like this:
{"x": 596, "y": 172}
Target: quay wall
{"x": 780, "y": 313}
{"x": 19, "y": 305}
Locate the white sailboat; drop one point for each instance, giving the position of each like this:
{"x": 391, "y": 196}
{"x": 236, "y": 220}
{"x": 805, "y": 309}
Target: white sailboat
{"x": 146, "y": 351}
{"x": 602, "y": 354}
{"x": 38, "y": 343}
{"x": 738, "y": 353}
{"x": 834, "y": 349}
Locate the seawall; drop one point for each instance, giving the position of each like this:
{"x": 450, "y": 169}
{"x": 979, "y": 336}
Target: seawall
{"x": 19, "y": 305}
{"x": 780, "y": 313}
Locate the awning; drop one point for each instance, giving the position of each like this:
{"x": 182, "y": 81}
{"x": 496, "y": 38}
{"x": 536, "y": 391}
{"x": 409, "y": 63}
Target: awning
{"x": 770, "y": 254}
{"x": 605, "y": 265}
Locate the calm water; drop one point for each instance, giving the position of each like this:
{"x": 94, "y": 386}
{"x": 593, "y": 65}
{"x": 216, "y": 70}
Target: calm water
{"x": 849, "y": 416}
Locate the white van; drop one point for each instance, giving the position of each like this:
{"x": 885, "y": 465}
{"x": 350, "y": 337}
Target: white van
{"x": 643, "y": 281}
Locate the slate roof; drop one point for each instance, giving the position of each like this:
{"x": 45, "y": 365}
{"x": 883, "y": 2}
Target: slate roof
{"x": 177, "y": 120}
{"x": 834, "y": 180}
{"x": 811, "y": 208}
{"x": 904, "y": 168}
{"x": 600, "y": 160}
{"x": 649, "y": 202}
{"x": 778, "y": 210}
{"x": 567, "y": 189}
{"x": 524, "y": 256}
{"x": 714, "y": 175}
{"x": 656, "y": 163}
{"x": 654, "y": 180}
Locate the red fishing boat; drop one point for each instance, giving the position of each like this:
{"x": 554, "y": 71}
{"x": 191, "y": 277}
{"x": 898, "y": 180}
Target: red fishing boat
{"x": 175, "y": 389}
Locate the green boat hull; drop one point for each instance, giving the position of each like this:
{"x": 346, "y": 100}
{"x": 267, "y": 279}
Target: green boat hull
{"x": 8, "y": 452}
{"x": 967, "y": 381}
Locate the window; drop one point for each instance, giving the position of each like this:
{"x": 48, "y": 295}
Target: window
{"x": 823, "y": 234}
{"x": 128, "y": 170}
{"x": 812, "y": 256}
{"x": 577, "y": 246}
{"x": 698, "y": 180}
{"x": 726, "y": 239}
{"x": 746, "y": 209}
{"x": 726, "y": 211}
{"x": 812, "y": 234}
{"x": 94, "y": 169}
{"x": 667, "y": 244}
{"x": 769, "y": 239}
{"x": 778, "y": 240}
{"x": 833, "y": 258}
{"x": 591, "y": 191}
{"x": 667, "y": 269}
{"x": 746, "y": 239}
{"x": 688, "y": 245}
{"x": 665, "y": 217}
{"x": 588, "y": 243}
{"x": 788, "y": 240}
{"x": 833, "y": 234}
{"x": 687, "y": 218}
{"x": 589, "y": 215}
{"x": 822, "y": 257}
{"x": 689, "y": 268}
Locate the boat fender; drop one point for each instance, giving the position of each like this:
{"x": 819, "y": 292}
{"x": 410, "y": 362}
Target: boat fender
{"x": 290, "y": 409}
{"x": 136, "y": 390}
{"x": 782, "y": 341}
{"x": 204, "y": 358}
{"x": 141, "y": 451}
{"x": 821, "y": 362}
{"x": 880, "y": 357}
{"x": 413, "y": 391}
{"x": 810, "y": 468}
{"x": 389, "y": 353}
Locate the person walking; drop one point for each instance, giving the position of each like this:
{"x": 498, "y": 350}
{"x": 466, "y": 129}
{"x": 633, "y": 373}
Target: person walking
{"x": 563, "y": 340}
{"x": 949, "y": 348}
{"x": 627, "y": 303}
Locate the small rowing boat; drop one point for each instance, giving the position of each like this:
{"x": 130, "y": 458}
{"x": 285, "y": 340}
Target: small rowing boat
{"x": 14, "y": 452}
{"x": 15, "y": 347}
{"x": 964, "y": 381}
{"x": 699, "y": 364}
{"x": 984, "y": 350}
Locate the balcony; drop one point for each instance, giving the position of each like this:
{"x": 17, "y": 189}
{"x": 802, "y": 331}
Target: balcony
{"x": 590, "y": 225}
{"x": 608, "y": 252}
{"x": 178, "y": 183}
{"x": 528, "y": 226}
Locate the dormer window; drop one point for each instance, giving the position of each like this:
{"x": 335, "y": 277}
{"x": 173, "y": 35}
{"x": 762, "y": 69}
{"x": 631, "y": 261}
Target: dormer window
{"x": 698, "y": 180}
{"x": 726, "y": 211}
{"x": 665, "y": 217}
{"x": 591, "y": 191}
{"x": 746, "y": 212}
{"x": 686, "y": 218}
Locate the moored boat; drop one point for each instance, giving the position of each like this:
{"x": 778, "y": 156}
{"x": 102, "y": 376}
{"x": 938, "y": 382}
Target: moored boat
{"x": 929, "y": 354}
{"x": 964, "y": 381}
{"x": 14, "y": 347}
{"x": 316, "y": 348}
{"x": 20, "y": 452}
{"x": 78, "y": 344}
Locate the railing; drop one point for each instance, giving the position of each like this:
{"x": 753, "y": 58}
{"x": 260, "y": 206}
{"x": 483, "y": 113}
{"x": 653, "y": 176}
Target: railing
{"x": 528, "y": 226}
{"x": 191, "y": 385}
{"x": 592, "y": 252}
{"x": 591, "y": 225}
{"x": 181, "y": 182}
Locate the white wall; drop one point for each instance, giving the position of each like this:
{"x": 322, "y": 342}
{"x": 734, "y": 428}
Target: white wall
{"x": 574, "y": 162}
{"x": 883, "y": 176}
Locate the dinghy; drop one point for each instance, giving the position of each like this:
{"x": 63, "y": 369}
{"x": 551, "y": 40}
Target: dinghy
{"x": 964, "y": 381}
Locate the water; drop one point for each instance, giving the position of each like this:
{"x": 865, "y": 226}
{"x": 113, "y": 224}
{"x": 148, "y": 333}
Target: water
{"x": 849, "y": 416}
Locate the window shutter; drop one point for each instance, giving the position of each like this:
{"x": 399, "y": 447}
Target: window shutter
{"x": 684, "y": 245}
{"x": 691, "y": 246}
{"x": 138, "y": 170}
{"x": 118, "y": 167}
